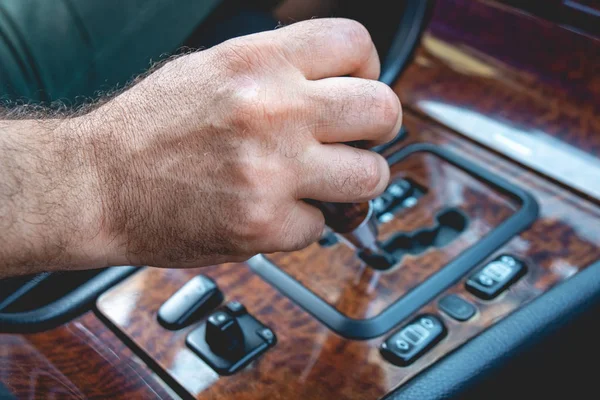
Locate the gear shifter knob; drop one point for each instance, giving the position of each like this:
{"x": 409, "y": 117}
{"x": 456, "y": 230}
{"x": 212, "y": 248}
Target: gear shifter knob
{"x": 352, "y": 220}
{"x": 357, "y": 223}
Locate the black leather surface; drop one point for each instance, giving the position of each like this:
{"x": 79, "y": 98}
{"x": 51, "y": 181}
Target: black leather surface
{"x": 543, "y": 346}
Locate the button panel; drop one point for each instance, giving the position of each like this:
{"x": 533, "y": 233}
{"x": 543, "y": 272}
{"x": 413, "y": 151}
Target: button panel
{"x": 457, "y": 307}
{"x": 196, "y": 298}
{"x": 410, "y": 342}
{"x": 489, "y": 281}
{"x": 230, "y": 339}
{"x": 402, "y": 193}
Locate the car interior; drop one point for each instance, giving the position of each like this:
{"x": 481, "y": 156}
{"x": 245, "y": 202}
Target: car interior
{"x": 489, "y": 285}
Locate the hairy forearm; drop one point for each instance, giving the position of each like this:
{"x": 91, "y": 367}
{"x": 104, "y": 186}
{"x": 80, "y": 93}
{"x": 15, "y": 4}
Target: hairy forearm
{"x": 49, "y": 209}
{"x": 206, "y": 160}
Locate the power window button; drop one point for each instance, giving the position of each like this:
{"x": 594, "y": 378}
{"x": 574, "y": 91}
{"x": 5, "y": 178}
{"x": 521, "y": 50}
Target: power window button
{"x": 491, "y": 280}
{"x": 409, "y": 343}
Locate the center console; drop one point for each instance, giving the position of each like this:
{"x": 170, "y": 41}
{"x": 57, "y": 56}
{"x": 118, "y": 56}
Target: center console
{"x": 474, "y": 238}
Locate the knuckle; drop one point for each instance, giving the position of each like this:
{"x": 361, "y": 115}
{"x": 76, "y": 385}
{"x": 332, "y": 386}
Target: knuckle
{"x": 246, "y": 108}
{"x": 250, "y": 55}
{"x": 389, "y": 106}
{"x": 243, "y": 111}
{"x": 355, "y": 33}
{"x": 253, "y": 106}
{"x": 258, "y": 212}
{"x": 258, "y": 175}
{"x": 356, "y": 38}
{"x": 369, "y": 176}
{"x": 359, "y": 177}
{"x": 236, "y": 55}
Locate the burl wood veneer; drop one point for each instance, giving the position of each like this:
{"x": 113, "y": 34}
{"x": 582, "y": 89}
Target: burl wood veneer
{"x": 521, "y": 85}
{"x": 82, "y": 359}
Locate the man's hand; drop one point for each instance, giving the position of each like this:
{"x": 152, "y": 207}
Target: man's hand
{"x": 209, "y": 158}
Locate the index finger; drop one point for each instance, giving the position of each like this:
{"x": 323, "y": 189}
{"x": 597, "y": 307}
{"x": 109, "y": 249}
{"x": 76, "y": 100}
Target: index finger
{"x": 329, "y": 47}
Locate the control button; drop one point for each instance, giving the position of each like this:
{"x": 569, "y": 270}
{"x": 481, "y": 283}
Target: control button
{"x": 485, "y": 280}
{"x": 388, "y": 201}
{"x": 235, "y": 308}
{"x": 495, "y": 277}
{"x": 399, "y": 189}
{"x": 266, "y": 334}
{"x": 402, "y": 345}
{"x": 457, "y": 307}
{"x": 228, "y": 342}
{"x": 401, "y": 193}
{"x": 381, "y": 203}
{"x": 387, "y": 217}
{"x": 410, "y": 202}
{"x": 410, "y": 342}
{"x": 197, "y": 297}
{"x": 224, "y": 335}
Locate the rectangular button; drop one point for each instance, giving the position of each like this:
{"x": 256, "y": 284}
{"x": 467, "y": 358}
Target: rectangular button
{"x": 495, "y": 277}
{"x": 406, "y": 345}
{"x": 197, "y": 297}
{"x": 457, "y": 307}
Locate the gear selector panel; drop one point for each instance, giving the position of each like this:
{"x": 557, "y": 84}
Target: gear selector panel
{"x": 433, "y": 241}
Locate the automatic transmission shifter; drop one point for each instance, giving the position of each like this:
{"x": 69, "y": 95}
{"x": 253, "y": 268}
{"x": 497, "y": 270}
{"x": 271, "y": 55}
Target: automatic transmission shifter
{"x": 357, "y": 223}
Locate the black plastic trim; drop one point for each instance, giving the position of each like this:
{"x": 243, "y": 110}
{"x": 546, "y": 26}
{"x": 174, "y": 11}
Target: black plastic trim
{"x": 430, "y": 288}
{"x": 490, "y": 351}
{"x": 406, "y": 39}
{"x": 402, "y": 133}
{"x": 66, "y": 307}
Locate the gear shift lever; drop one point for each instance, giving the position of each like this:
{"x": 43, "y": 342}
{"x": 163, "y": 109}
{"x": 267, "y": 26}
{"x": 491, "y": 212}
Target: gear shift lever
{"x": 357, "y": 223}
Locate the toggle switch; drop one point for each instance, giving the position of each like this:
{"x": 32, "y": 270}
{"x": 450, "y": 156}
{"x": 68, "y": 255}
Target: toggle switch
{"x": 230, "y": 339}
{"x": 409, "y": 343}
{"x": 495, "y": 277}
{"x": 224, "y": 335}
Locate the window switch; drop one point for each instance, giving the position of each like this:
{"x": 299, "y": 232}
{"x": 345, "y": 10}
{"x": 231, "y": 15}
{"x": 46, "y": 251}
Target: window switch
{"x": 409, "y": 343}
{"x": 495, "y": 277}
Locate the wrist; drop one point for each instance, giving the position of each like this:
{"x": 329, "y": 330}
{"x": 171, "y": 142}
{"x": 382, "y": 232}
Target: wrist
{"x": 95, "y": 244}
{"x": 50, "y": 198}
